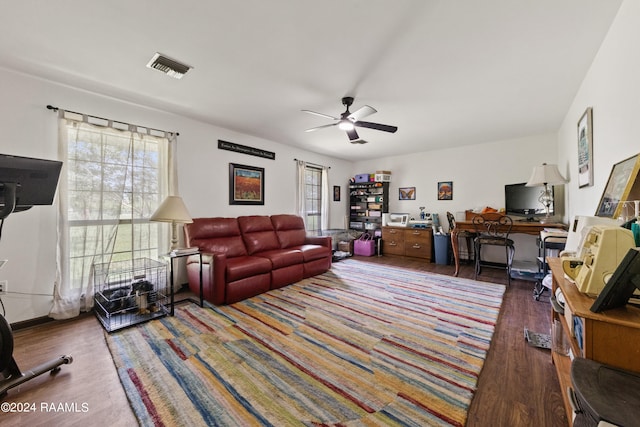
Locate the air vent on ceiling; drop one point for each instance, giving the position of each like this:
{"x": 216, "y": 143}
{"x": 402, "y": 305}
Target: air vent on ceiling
{"x": 168, "y": 66}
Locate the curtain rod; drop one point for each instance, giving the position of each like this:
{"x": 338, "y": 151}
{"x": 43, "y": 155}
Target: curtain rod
{"x": 312, "y": 164}
{"x": 55, "y": 109}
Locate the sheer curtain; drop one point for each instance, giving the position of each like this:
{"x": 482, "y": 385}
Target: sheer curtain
{"x": 301, "y": 190}
{"x": 113, "y": 179}
{"x": 324, "y": 212}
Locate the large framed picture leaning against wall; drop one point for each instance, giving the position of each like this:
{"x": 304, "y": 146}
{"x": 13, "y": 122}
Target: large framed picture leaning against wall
{"x": 620, "y": 188}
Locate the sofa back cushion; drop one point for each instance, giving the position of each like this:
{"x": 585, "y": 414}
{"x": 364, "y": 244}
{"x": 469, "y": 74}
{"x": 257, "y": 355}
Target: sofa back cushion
{"x": 217, "y": 235}
{"x": 258, "y": 233}
{"x": 290, "y": 230}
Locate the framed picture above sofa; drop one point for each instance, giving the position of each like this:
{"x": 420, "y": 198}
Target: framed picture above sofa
{"x": 246, "y": 185}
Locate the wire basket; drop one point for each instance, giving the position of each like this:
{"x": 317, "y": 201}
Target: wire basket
{"x": 130, "y": 292}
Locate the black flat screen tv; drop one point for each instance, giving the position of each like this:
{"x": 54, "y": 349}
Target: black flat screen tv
{"x": 622, "y": 284}
{"x": 26, "y": 182}
{"x": 522, "y": 201}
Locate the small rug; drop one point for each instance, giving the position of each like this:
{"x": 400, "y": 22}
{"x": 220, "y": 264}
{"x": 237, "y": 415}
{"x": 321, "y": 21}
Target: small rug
{"x": 362, "y": 344}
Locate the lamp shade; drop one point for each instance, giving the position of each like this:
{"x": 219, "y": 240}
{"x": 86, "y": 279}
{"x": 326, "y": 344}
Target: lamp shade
{"x": 172, "y": 209}
{"x": 545, "y": 174}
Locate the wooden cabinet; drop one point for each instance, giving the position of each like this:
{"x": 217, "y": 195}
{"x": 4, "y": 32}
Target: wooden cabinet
{"x": 611, "y": 337}
{"x": 367, "y": 202}
{"x": 412, "y": 242}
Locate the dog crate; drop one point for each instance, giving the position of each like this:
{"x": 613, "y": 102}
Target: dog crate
{"x": 130, "y": 292}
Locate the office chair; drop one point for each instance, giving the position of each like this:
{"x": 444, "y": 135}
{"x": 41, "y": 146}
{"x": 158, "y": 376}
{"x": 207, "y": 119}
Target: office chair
{"x": 493, "y": 230}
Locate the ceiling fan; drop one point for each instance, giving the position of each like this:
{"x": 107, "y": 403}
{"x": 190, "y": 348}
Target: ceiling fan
{"x": 348, "y": 121}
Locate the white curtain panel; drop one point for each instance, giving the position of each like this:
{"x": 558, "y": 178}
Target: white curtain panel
{"x": 111, "y": 182}
{"x": 301, "y": 196}
{"x": 324, "y": 213}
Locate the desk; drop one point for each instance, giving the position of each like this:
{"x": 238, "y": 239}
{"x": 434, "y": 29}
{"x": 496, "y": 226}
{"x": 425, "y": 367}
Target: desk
{"x": 522, "y": 227}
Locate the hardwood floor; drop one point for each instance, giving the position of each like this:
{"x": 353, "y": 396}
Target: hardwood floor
{"x": 517, "y": 387}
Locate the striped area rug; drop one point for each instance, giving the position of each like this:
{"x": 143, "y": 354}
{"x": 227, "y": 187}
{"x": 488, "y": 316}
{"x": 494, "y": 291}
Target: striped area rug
{"x": 360, "y": 345}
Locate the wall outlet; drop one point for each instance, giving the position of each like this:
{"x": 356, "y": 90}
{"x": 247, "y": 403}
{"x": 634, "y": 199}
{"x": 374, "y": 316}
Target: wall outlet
{"x": 3, "y": 287}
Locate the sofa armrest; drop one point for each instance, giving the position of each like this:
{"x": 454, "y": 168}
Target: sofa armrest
{"x": 318, "y": 240}
{"x": 213, "y": 276}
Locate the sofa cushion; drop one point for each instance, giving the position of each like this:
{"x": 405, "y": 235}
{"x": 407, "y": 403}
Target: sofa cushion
{"x": 290, "y": 230}
{"x": 258, "y": 234}
{"x": 216, "y": 235}
{"x": 282, "y": 257}
{"x": 246, "y": 266}
{"x": 313, "y": 252}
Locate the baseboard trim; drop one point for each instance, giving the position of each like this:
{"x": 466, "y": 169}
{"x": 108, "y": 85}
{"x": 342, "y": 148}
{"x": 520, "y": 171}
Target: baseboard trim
{"x": 39, "y": 321}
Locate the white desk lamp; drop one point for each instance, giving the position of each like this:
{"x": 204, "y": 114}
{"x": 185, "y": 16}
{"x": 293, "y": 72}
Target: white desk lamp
{"x": 545, "y": 175}
{"x": 174, "y": 211}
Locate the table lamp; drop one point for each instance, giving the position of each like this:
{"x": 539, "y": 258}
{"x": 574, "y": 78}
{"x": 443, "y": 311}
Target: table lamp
{"x": 174, "y": 211}
{"x": 545, "y": 175}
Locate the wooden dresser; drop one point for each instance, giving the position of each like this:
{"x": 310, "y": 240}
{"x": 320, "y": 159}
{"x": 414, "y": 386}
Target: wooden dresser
{"x": 411, "y": 242}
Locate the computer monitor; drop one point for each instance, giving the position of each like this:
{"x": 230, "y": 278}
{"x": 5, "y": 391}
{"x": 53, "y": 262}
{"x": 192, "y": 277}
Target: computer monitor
{"x": 26, "y": 182}
{"x": 622, "y": 284}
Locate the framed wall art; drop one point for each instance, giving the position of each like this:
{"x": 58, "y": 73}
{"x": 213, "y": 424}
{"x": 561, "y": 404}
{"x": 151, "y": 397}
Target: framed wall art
{"x": 445, "y": 190}
{"x": 407, "y": 193}
{"x": 620, "y": 187}
{"x": 336, "y": 193}
{"x": 585, "y": 149}
{"x": 246, "y": 185}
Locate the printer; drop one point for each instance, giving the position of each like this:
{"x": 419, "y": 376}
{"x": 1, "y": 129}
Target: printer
{"x": 599, "y": 254}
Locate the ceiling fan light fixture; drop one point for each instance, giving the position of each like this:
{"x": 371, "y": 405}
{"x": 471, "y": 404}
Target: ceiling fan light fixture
{"x": 346, "y": 125}
{"x": 169, "y": 66}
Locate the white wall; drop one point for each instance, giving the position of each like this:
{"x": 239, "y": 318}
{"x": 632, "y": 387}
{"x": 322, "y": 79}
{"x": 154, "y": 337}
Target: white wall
{"x": 28, "y": 129}
{"x": 612, "y": 88}
{"x": 478, "y": 172}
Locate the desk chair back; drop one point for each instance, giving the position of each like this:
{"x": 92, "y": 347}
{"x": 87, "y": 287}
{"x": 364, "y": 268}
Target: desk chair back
{"x": 493, "y": 229}
{"x": 493, "y": 225}
{"x": 467, "y": 235}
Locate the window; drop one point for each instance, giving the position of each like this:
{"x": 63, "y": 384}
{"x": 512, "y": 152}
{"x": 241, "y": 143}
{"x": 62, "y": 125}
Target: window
{"x": 313, "y": 198}
{"x": 114, "y": 184}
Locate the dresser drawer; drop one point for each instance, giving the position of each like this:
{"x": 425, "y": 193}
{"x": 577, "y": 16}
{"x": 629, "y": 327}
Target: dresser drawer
{"x": 419, "y": 248}
{"x": 392, "y": 246}
{"x": 417, "y": 235}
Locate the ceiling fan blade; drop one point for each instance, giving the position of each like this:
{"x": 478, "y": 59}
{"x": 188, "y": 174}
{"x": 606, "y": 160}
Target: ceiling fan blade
{"x": 353, "y": 135}
{"x": 361, "y": 113}
{"x": 320, "y": 114}
{"x": 359, "y": 141}
{"x": 321, "y": 127}
{"x": 376, "y": 126}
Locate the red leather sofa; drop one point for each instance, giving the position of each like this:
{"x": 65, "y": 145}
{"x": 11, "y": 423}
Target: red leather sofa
{"x": 249, "y": 255}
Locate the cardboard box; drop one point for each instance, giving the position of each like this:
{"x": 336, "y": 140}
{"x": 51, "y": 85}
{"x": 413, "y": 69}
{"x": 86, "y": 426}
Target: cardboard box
{"x": 346, "y": 246}
{"x": 382, "y": 177}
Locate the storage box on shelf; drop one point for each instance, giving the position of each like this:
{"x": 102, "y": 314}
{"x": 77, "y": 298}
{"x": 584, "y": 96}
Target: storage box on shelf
{"x": 130, "y": 292}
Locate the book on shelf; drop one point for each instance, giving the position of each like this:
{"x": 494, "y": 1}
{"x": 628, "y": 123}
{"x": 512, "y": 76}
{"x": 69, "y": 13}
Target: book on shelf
{"x": 184, "y": 251}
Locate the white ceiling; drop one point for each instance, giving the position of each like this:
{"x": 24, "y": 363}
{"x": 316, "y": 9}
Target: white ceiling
{"x": 447, "y": 73}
